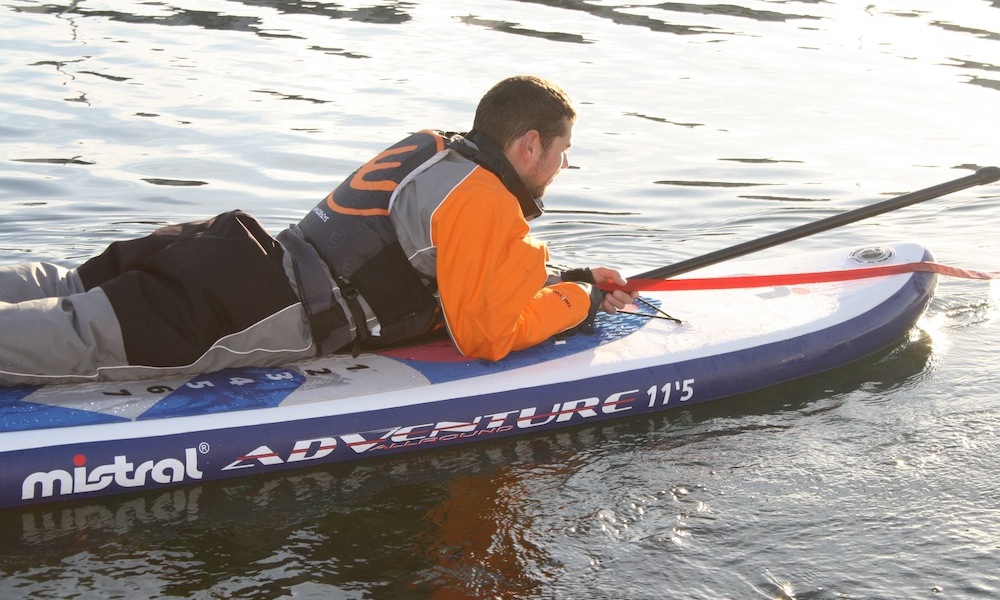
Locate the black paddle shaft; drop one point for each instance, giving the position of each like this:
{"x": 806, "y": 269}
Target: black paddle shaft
{"x": 980, "y": 177}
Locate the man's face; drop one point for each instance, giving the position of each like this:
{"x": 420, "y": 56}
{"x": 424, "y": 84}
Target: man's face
{"x": 548, "y": 163}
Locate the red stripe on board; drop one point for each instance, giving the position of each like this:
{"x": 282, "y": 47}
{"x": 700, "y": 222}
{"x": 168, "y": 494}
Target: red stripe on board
{"x": 754, "y": 281}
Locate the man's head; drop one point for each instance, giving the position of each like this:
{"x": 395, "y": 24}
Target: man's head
{"x": 531, "y": 119}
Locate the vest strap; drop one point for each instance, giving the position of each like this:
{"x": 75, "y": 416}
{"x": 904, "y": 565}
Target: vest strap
{"x": 326, "y": 318}
{"x": 350, "y": 295}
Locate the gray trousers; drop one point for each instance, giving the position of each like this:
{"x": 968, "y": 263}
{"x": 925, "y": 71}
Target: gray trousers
{"x": 52, "y": 331}
{"x": 51, "y": 328}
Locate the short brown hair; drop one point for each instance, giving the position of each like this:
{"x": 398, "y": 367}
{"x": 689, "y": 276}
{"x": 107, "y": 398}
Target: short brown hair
{"x": 519, "y": 104}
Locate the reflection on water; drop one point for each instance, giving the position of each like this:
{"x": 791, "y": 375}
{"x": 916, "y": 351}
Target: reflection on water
{"x": 176, "y": 16}
{"x": 479, "y": 535}
{"x": 393, "y": 13}
{"x": 629, "y": 14}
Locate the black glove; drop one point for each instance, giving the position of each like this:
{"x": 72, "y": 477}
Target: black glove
{"x": 582, "y": 275}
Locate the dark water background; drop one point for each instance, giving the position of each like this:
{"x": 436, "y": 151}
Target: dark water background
{"x": 701, "y": 126}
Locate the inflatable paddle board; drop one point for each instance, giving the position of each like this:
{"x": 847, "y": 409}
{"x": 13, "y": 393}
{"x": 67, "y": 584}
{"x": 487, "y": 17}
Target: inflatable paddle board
{"x": 76, "y": 441}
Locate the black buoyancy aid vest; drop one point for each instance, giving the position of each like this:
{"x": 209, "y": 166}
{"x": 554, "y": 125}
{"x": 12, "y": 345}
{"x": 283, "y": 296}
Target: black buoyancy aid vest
{"x": 351, "y": 232}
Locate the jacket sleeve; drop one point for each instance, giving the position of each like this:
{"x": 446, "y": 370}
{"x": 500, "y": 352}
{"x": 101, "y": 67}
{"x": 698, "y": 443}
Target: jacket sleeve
{"x": 491, "y": 275}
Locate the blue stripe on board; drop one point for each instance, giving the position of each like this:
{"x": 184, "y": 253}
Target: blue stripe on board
{"x": 19, "y": 415}
{"x": 229, "y": 390}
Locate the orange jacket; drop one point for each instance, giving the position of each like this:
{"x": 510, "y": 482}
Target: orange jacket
{"x": 492, "y": 276}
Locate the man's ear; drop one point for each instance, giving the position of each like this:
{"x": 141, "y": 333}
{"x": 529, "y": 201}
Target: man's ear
{"x": 533, "y": 141}
{"x": 524, "y": 150}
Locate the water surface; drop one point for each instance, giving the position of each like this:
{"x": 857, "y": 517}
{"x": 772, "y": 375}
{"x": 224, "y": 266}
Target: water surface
{"x": 701, "y": 126}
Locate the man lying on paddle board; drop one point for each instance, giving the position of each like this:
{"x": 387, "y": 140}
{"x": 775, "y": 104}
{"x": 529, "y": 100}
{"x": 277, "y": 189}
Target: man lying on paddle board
{"x": 431, "y": 233}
